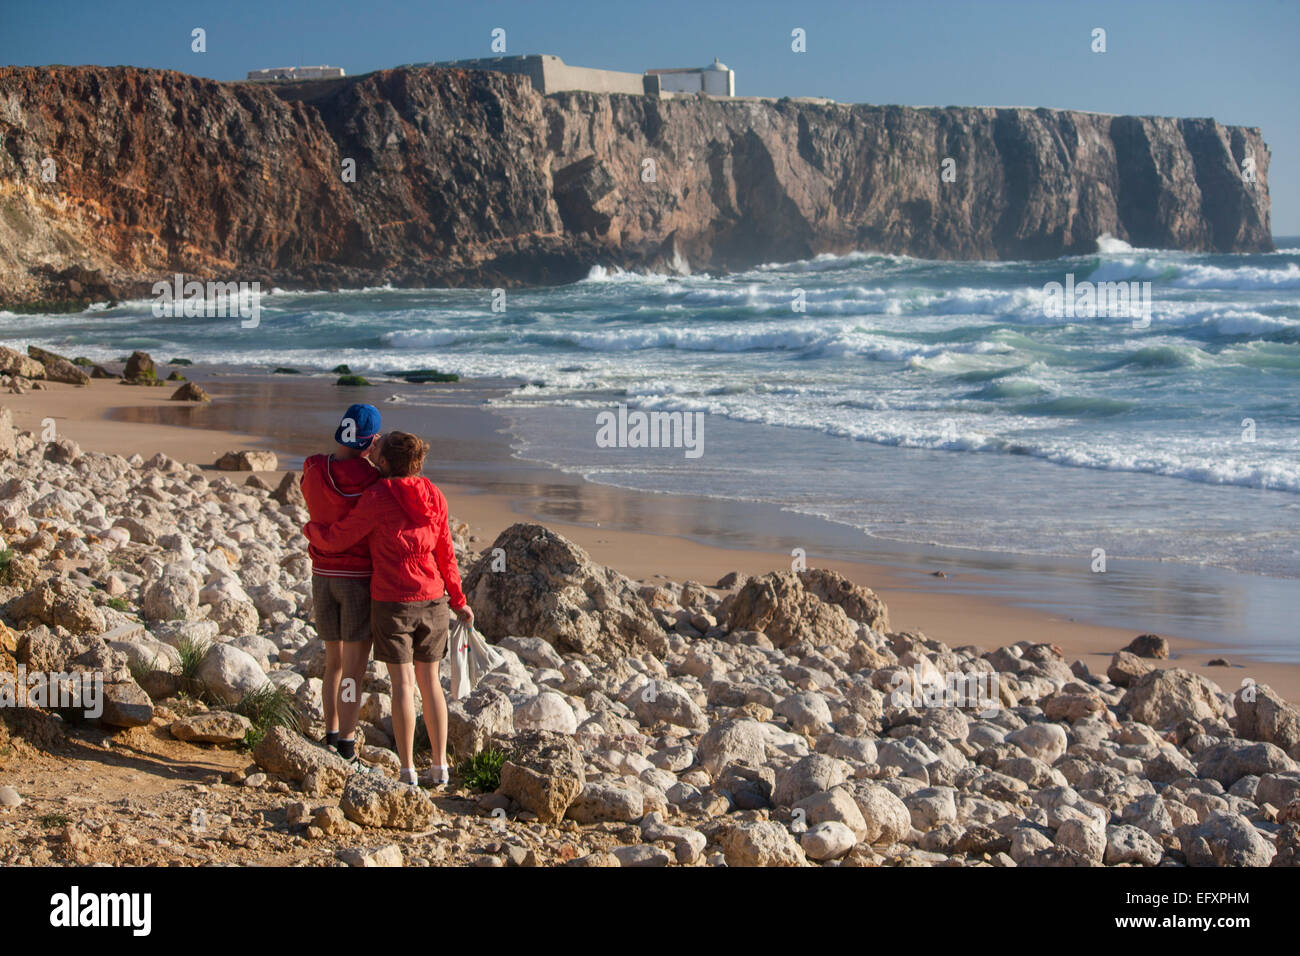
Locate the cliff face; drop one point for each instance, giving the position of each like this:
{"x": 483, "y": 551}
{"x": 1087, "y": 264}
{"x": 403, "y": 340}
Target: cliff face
{"x": 473, "y": 179}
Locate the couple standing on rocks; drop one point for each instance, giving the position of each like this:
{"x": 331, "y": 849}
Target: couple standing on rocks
{"x": 383, "y": 574}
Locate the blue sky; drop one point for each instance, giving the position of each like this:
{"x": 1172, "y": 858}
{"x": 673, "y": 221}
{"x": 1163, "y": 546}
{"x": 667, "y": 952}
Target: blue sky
{"x": 1236, "y": 61}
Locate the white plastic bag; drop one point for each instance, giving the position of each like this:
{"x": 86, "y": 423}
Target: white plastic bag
{"x": 458, "y": 649}
{"x": 483, "y": 657}
{"x": 471, "y": 658}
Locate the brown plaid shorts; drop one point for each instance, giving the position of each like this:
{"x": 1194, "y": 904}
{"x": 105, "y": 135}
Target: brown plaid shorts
{"x": 341, "y": 608}
{"x": 410, "y": 630}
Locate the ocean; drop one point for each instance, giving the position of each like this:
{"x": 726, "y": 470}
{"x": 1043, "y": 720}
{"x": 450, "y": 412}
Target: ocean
{"x": 923, "y": 402}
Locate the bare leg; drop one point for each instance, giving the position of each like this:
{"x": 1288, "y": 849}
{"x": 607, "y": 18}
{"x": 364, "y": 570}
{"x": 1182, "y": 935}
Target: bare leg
{"x": 402, "y": 677}
{"x": 435, "y": 709}
{"x": 330, "y": 691}
{"x": 356, "y": 655}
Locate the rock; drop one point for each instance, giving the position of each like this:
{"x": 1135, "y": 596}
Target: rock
{"x": 1230, "y": 760}
{"x": 759, "y": 843}
{"x": 140, "y": 367}
{"x": 836, "y": 805}
{"x": 1163, "y": 698}
{"x": 229, "y": 673}
{"x": 1149, "y": 645}
{"x": 1043, "y": 741}
{"x": 174, "y": 595}
{"x": 126, "y": 705}
{"x": 688, "y": 844}
{"x": 58, "y": 603}
{"x": 735, "y": 740}
{"x": 546, "y": 711}
{"x": 781, "y": 607}
{"x": 641, "y": 854}
{"x": 551, "y": 589}
{"x": 247, "y": 461}
{"x": 1227, "y": 839}
{"x": 9, "y": 798}
{"x": 1126, "y": 668}
{"x": 289, "y": 490}
{"x": 1263, "y": 715}
{"x": 330, "y": 821}
{"x": 372, "y": 800}
{"x": 807, "y": 713}
{"x": 191, "y": 392}
{"x": 288, "y": 755}
{"x": 57, "y": 368}
{"x": 662, "y": 700}
{"x": 533, "y": 651}
{"x": 859, "y": 603}
{"x": 390, "y": 855}
{"x": 887, "y": 818}
{"x": 827, "y": 841}
{"x": 807, "y": 776}
{"x": 474, "y": 720}
{"x": 543, "y": 773}
{"x": 1085, "y": 837}
{"x": 212, "y": 727}
{"x": 931, "y": 807}
{"x": 600, "y": 802}
{"x": 1128, "y": 844}
{"x": 233, "y": 617}
{"x": 23, "y": 366}
{"x": 8, "y": 434}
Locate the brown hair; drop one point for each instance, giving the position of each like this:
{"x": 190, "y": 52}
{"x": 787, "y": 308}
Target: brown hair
{"x": 404, "y": 453}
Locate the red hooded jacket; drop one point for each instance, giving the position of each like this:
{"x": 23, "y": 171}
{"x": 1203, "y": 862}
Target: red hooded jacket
{"x": 404, "y": 522}
{"x": 332, "y": 489}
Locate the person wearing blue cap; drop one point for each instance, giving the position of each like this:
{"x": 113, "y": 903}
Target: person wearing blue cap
{"x": 332, "y": 485}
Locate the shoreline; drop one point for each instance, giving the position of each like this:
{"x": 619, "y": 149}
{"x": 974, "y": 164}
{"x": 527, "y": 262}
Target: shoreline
{"x": 607, "y": 521}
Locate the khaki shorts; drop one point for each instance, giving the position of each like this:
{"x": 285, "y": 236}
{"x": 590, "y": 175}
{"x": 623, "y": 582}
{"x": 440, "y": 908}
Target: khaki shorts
{"x": 407, "y": 631}
{"x": 341, "y": 608}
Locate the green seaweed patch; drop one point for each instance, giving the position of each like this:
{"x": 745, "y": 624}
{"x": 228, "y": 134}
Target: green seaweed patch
{"x": 180, "y": 361}
{"x": 176, "y": 377}
{"x": 425, "y": 376}
{"x": 341, "y": 370}
{"x": 82, "y": 361}
{"x": 351, "y": 380}
{"x": 283, "y": 370}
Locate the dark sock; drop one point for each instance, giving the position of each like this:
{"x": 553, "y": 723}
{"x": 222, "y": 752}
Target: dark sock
{"x": 347, "y": 748}
{"x": 331, "y": 738}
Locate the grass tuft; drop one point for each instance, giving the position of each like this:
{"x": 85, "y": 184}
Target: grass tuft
{"x": 482, "y": 772}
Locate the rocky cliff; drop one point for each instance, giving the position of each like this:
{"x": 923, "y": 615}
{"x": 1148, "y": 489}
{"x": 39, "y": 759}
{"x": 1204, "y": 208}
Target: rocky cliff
{"x": 112, "y": 178}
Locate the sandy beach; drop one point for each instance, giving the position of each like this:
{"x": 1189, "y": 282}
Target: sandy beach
{"x": 276, "y": 412}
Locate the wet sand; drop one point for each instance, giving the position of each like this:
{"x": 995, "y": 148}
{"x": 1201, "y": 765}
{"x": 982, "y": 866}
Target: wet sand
{"x": 643, "y": 535}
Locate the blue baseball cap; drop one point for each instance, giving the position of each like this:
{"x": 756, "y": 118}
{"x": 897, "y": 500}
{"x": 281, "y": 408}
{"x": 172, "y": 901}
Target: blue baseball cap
{"x": 362, "y": 422}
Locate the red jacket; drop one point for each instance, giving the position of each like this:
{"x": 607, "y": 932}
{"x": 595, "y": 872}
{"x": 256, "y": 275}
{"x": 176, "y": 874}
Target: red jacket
{"x": 404, "y": 522}
{"x": 332, "y": 489}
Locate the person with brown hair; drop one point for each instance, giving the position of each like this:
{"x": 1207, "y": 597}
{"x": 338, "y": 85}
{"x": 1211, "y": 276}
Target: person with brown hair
{"x": 403, "y": 519}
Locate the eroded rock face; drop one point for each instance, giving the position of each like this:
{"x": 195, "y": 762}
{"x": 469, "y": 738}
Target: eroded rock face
{"x": 288, "y": 755}
{"x": 497, "y": 185}
{"x": 782, "y": 607}
{"x": 543, "y": 773}
{"x": 550, "y": 588}
{"x": 1162, "y": 698}
{"x": 372, "y": 800}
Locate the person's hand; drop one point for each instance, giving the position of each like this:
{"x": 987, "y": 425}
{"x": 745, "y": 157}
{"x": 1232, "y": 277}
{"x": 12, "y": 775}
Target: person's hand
{"x": 465, "y": 615}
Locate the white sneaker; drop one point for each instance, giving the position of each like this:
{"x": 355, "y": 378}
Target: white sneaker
{"x": 436, "y": 776}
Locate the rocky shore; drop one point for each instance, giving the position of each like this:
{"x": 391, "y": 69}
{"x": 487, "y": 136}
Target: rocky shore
{"x": 770, "y": 720}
